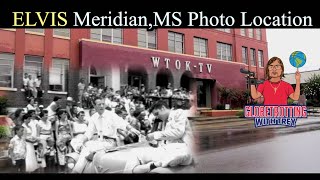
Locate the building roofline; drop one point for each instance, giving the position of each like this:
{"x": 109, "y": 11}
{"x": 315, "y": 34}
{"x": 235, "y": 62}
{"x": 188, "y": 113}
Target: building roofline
{"x": 156, "y": 50}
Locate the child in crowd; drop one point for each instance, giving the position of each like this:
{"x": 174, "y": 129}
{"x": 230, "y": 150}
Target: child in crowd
{"x": 50, "y": 154}
{"x": 18, "y": 149}
{"x": 40, "y": 157}
{"x": 62, "y": 151}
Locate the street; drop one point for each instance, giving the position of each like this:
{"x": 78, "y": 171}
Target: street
{"x": 291, "y": 153}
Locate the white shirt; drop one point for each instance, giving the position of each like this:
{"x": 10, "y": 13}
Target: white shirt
{"x": 30, "y": 107}
{"x": 25, "y": 81}
{"x": 177, "y": 129}
{"x": 31, "y": 83}
{"x": 50, "y": 111}
{"x": 37, "y": 82}
{"x": 105, "y": 125}
{"x": 79, "y": 127}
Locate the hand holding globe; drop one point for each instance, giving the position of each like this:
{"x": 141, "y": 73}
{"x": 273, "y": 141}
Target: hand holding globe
{"x": 297, "y": 59}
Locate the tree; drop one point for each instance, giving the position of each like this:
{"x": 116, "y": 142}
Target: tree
{"x": 224, "y": 94}
{"x": 312, "y": 88}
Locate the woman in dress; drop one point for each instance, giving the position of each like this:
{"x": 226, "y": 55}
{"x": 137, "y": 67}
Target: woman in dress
{"x": 31, "y": 160}
{"x": 44, "y": 130}
{"x": 64, "y": 134}
{"x": 80, "y": 125}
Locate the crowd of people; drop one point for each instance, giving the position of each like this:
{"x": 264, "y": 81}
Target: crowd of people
{"x": 43, "y": 136}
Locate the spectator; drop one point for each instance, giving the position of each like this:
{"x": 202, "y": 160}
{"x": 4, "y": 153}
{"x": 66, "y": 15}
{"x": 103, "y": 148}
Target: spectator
{"x": 52, "y": 108}
{"x": 79, "y": 125}
{"x": 50, "y": 154}
{"x": 69, "y": 108}
{"x": 18, "y": 149}
{"x": 31, "y": 161}
{"x": 81, "y": 87}
{"x": 38, "y": 88}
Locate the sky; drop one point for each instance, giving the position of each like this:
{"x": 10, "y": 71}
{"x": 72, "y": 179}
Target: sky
{"x": 282, "y": 42}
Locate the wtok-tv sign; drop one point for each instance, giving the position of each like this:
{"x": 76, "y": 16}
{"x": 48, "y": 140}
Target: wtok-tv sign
{"x": 184, "y": 65}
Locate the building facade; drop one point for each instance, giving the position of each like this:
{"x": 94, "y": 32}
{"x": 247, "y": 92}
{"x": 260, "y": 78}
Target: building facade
{"x": 200, "y": 60}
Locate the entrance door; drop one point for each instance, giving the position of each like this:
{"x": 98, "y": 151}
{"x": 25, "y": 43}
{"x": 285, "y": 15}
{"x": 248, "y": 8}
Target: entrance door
{"x": 201, "y": 94}
{"x": 98, "y": 81}
{"x": 204, "y": 93}
{"x": 135, "y": 81}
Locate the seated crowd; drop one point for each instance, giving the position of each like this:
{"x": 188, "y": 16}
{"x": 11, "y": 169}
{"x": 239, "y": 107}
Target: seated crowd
{"x": 49, "y": 131}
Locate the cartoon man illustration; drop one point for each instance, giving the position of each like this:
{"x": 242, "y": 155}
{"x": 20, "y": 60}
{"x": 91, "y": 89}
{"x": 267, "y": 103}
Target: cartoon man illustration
{"x": 274, "y": 90}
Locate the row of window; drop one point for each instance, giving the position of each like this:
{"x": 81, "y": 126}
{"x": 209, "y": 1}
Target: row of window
{"x": 33, "y": 65}
{"x": 245, "y": 32}
{"x": 148, "y": 39}
{"x": 249, "y": 33}
{"x": 143, "y": 35}
{"x": 252, "y": 56}
{"x": 56, "y": 32}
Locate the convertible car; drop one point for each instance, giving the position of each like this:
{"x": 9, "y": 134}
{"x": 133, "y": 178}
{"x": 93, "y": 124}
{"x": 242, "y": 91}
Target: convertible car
{"x": 114, "y": 161}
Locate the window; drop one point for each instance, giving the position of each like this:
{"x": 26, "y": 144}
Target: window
{"x": 227, "y": 30}
{"x": 250, "y": 32}
{"x": 224, "y": 51}
{"x": 253, "y": 57}
{"x": 6, "y": 70}
{"x": 243, "y": 32}
{"x": 258, "y": 34}
{"x": 107, "y": 35}
{"x": 61, "y": 32}
{"x": 58, "y": 77}
{"x": 33, "y": 66}
{"x": 245, "y": 55}
{"x": 200, "y": 47}
{"x": 260, "y": 58}
{"x": 147, "y": 39}
{"x": 176, "y": 42}
{"x": 36, "y": 30}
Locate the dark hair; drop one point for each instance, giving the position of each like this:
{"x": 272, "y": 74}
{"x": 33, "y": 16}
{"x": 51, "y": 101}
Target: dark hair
{"x": 42, "y": 113}
{"x": 17, "y": 128}
{"x": 26, "y": 116}
{"x": 56, "y": 98}
{"x": 158, "y": 105}
{"x": 136, "y": 113}
{"x": 78, "y": 114}
{"x": 29, "y": 100}
{"x": 131, "y": 138}
{"x": 31, "y": 111}
{"x": 96, "y": 98}
{"x": 118, "y": 111}
{"x": 271, "y": 60}
{"x": 18, "y": 112}
{"x": 61, "y": 111}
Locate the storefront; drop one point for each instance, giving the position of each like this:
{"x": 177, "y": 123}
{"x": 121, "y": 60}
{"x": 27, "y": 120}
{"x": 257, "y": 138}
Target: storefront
{"x": 116, "y": 65}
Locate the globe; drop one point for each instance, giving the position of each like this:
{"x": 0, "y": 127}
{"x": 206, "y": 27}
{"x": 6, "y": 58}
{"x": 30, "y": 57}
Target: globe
{"x": 297, "y": 59}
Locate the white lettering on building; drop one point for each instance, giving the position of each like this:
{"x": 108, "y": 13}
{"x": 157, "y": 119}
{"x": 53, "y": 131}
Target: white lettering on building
{"x": 155, "y": 61}
{"x": 209, "y": 66}
{"x": 178, "y": 64}
{"x": 200, "y": 66}
{"x": 167, "y": 62}
{"x": 188, "y": 64}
